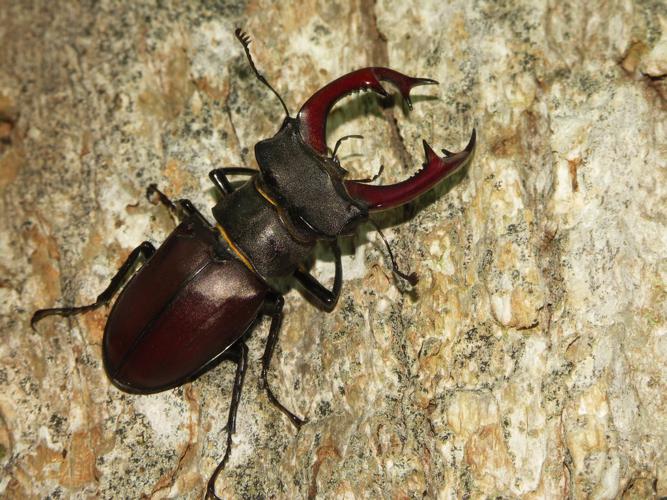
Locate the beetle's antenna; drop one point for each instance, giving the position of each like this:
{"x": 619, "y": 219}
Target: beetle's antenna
{"x": 245, "y": 41}
{"x": 411, "y": 278}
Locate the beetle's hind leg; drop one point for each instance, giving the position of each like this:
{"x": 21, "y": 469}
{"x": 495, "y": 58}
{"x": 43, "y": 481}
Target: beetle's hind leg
{"x": 239, "y": 354}
{"x": 143, "y": 251}
{"x": 274, "y": 308}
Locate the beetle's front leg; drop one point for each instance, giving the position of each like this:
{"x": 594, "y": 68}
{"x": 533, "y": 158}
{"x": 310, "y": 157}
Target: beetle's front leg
{"x": 180, "y": 210}
{"x": 239, "y": 354}
{"x": 219, "y": 177}
{"x": 274, "y": 308}
{"x": 143, "y": 251}
{"x": 325, "y": 299}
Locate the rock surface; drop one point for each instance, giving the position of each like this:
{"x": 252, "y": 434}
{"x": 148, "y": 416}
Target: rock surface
{"x": 529, "y": 361}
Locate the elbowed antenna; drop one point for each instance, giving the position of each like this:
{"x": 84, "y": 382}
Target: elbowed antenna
{"x": 245, "y": 41}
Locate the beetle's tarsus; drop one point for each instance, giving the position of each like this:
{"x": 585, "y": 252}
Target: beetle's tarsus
{"x": 60, "y": 311}
{"x": 298, "y": 423}
{"x": 274, "y": 308}
{"x": 210, "y": 492}
{"x": 152, "y": 192}
{"x": 179, "y": 210}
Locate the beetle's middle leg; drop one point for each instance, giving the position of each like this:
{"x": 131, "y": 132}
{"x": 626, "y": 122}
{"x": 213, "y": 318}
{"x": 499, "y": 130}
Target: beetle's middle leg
{"x": 239, "y": 354}
{"x": 143, "y": 251}
{"x": 274, "y": 308}
{"x": 325, "y": 299}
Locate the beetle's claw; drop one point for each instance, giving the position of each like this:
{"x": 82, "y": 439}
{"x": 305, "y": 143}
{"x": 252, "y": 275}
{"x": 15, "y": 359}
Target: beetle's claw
{"x": 312, "y": 120}
{"x": 313, "y": 114}
{"x": 433, "y": 171}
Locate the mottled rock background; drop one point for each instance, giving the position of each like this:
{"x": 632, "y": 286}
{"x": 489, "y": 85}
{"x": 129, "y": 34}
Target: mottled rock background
{"x": 529, "y": 361}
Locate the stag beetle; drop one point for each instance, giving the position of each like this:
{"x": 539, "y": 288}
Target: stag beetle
{"x": 192, "y": 303}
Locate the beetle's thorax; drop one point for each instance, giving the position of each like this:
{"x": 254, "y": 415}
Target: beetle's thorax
{"x": 307, "y": 185}
{"x": 260, "y": 233}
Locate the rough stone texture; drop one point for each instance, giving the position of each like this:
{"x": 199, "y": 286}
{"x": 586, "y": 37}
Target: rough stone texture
{"x": 530, "y": 360}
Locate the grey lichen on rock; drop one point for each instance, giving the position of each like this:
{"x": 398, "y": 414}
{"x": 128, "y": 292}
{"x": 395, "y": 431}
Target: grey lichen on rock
{"x": 529, "y": 361}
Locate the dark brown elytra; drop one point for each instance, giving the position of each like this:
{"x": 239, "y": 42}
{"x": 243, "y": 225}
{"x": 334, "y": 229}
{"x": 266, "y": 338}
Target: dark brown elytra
{"x": 196, "y": 298}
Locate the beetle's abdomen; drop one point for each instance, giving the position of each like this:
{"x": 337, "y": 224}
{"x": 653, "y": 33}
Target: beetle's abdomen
{"x": 255, "y": 227}
{"x": 183, "y": 309}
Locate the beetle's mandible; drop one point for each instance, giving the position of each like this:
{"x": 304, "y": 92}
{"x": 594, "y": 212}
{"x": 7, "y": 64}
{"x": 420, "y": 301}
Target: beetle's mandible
{"x": 195, "y": 298}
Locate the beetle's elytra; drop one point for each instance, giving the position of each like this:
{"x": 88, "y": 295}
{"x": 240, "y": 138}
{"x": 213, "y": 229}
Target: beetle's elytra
{"x": 198, "y": 295}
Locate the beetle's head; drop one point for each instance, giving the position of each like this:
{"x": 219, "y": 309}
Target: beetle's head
{"x": 309, "y": 185}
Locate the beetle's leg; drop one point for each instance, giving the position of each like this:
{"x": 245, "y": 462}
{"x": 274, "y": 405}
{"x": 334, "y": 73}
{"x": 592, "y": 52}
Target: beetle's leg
{"x": 180, "y": 210}
{"x": 274, "y": 308}
{"x": 411, "y": 278}
{"x": 326, "y": 299}
{"x": 143, "y": 251}
{"x": 219, "y": 177}
{"x": 239, "y": 354}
